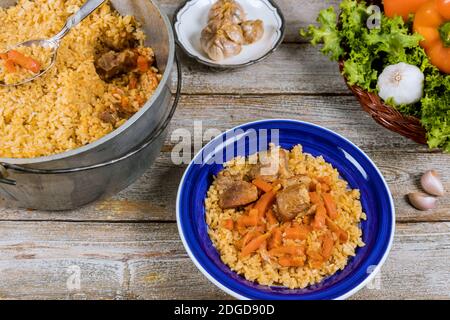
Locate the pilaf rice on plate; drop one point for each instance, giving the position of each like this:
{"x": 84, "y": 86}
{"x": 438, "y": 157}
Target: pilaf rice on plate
{"x": 259, "y": 266}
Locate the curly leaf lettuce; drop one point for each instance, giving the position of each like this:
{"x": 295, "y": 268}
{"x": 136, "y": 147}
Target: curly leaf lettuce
{"x": 367, "y": 52}
{"x": 327, "y": 34}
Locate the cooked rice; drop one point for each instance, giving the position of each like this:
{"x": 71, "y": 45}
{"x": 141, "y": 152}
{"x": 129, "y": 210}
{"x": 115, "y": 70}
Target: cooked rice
{"x": 60, "y": 111}
{"x": 268, "y": 272}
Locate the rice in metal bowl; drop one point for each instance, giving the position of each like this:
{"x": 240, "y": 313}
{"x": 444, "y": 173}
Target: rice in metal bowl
{"x": 260, "y": 265}
{"x": 71, "y": 105}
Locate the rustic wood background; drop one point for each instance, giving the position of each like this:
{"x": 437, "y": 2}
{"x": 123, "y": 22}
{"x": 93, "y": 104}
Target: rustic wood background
{"x": 127, "y": 247}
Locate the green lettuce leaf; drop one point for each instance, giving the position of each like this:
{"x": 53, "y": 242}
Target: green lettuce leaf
{"x": 367, "y": 52}
{"x": 327, "y": 34}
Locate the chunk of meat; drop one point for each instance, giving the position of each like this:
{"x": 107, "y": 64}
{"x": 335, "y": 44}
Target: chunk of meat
{"x": 113, "y": 64}
{"x": 298, "y": 179}
{"x": 108, "y": 116}
{"x": 292, "y": 201}
{"x": 239, "y": 193}
{"x": 271, "y": 166}
{"x": 225, "y": 180}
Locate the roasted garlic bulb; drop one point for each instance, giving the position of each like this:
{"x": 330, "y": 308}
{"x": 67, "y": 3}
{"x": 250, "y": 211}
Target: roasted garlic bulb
{"x": 253, "y": 30}
{"x": 227, "y": 10}
{"x": 222, "y": 41}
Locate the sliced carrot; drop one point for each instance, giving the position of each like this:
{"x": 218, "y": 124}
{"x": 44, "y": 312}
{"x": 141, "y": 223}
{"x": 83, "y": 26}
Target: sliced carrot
{"x": 315, "y": 258}
{"x": 240, "y": 226}
{"x": 247, "y": 238}
{"x": 264, "y": 202}
{"x": 292, "y": 261}
{"x": 253, "y": 217}
{"x": 320, "y": 217}
{"x": 314, "y": 255}
{"x": 276, "y": 239}
{"x": 254, "y": 244}
{"x": 24, "y": 61}
{"x": 296, "y": 232}
{"x": 314, "y": 197}
{"x": 324, "y": 187}
{"x": 10, "y": 66}
{"x": 327, "y": 245}
{"x": 308, "y": 219}
{"x": 270, "y": 217}
{"x": 228, "y": 224}
{"x": 316, "y": 264}
{"x": 342, "y": 234}
{"x": 142, "y": 64}
{"x": 4, "y": 56}
{"x": 261, "y": 184}
{"x": 330, "y": 205}
{"x": 289, "y": 249}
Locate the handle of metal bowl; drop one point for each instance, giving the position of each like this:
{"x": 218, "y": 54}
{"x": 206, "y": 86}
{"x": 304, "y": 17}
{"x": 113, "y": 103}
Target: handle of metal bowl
{"x": 4, "y": 167}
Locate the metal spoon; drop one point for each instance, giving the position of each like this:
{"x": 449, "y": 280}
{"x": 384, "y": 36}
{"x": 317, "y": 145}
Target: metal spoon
{"x": 54, "y": 42}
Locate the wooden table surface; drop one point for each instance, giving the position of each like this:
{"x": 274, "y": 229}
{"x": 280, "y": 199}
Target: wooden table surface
{"x": 127, "y": 247}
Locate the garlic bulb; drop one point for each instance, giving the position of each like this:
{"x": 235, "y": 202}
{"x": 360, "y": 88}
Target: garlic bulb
{"x": 402, "y": 82}
{"x": 253, "y": 30}
{"x": 431, "y": 183}
{"x": 422, "y": 201}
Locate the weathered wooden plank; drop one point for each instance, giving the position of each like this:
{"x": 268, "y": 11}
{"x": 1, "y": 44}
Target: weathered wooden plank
{"x": 412, "y": 270}
{"x": 148, "y": 200}
{"x": 147, "y": 261}
{"x": 298, "y": 14}
{"x": 292, "y": 69}
{"x": 153, "y": 196}
{"x": 339, "y": 113}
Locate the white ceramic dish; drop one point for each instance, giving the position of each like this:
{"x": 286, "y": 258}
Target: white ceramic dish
{"x": 192, "y": 16}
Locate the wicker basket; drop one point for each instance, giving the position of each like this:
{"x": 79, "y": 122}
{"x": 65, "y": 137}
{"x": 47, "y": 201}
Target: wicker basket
{"x": 385, "y": 115}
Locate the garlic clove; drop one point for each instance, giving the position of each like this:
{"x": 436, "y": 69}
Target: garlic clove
{"x": 431, "y": 183}
{"x": 422, "y": 201}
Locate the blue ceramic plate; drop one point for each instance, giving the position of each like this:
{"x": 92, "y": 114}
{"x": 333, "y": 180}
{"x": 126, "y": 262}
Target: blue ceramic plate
{"x": 353, "y": 165}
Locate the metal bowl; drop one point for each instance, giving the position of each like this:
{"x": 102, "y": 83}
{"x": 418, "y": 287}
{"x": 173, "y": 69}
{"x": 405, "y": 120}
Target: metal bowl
{"x": 108, "y": 165}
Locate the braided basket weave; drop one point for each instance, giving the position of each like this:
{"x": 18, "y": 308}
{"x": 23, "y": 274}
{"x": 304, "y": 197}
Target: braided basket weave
{"x": 385, "y": 115}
